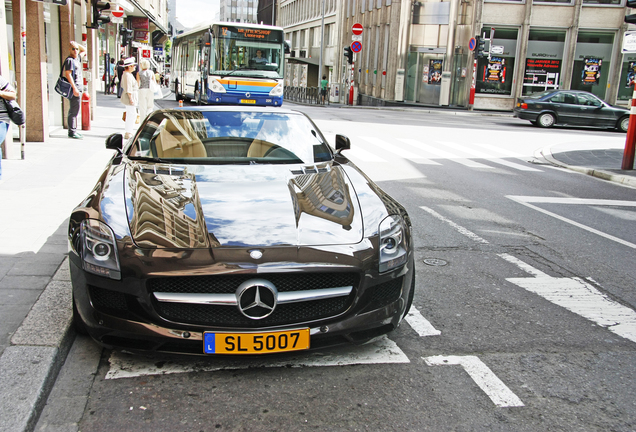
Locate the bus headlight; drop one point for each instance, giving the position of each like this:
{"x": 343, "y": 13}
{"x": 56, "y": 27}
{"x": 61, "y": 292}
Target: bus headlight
{"x": 217, "y": 87}
{"x": 392, "y": 243}
{"x": 277, "y": 91}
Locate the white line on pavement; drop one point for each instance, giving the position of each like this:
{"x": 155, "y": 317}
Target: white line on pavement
{"x": 459, "y": 228}
{"x": 382, "y": 350}
{"x": 580, "y": 201}
{"x": 523, "y": 201}
{"x": 578, "y": 296}
{"x": 489, "y": 157}
{"x": 443, "y": 154}
{"x": 496, "y": 390}
{"x": 420, "y": 324}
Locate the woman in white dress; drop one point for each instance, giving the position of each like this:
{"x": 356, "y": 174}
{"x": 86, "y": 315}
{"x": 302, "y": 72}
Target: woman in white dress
{"x": 130, "y": 95}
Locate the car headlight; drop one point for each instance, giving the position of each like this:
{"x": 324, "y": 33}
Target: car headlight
{"x": 277, "y": 91}
{"x": 217, "y": 87}
{"x": 99, "y": 249}
{"x": 392, "y": 243}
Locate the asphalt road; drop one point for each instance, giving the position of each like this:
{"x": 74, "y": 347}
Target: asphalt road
{"x": 524, "y": 315}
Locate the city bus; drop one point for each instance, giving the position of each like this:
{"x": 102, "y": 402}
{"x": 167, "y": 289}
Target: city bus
{"x": 229, "y": 63}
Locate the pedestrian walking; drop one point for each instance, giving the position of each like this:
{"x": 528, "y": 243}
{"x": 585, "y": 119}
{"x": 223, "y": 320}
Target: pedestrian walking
{"x": 146, "y": 91}
{"x": 111, "y": 72}
{"x": 130, "y": 95}
{"x": 72, "y": 68}
{"x": 120, "y": 71}
{"x": 323, "y": 89}
{"x": 7, "y": 92}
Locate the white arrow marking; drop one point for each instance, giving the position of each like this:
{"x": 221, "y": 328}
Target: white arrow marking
{"x": 496, "y": 390}
{"x": 578, "y": 296}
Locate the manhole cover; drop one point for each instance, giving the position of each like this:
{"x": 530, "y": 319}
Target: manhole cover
{"x": 435, "y": 262}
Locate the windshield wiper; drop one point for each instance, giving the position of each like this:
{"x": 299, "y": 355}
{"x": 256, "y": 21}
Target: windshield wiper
{"x": 151, "y": 159}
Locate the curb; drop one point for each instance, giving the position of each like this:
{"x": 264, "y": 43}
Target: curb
{"x": 30, "y": 365}
{"x": 546, "y": 153}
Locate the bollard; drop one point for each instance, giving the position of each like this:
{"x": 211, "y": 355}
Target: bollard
{"x": 180, "y": 104}
{"x": 86, "y": 111}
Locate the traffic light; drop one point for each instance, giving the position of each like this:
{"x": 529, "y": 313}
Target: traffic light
{"x": 349, "y": 54}
{"x": 95, "y": 16}
{"x": 481, "y": 45}
{"x": 126, "y": 36}
{"x": 631, "y": 19}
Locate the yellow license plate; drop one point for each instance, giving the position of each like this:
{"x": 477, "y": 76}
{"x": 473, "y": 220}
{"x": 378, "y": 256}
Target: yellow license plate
{"x": 248, "y": 101}
{"x": 256, "y": 343}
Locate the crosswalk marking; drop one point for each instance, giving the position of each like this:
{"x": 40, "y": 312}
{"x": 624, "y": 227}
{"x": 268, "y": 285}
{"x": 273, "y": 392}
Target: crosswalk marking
{"x": 364, "y": 155}
{"x": 482, "y": 155}
{"x": 443, "y": 153}
{"x": 392, "y": 148}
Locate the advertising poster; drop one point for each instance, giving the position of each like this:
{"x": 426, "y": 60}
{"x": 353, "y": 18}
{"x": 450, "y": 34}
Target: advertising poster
{"x": 631, "y": 74}
{"x": 542, "y": 72}
{"x": 435, "y": 72}
{"x": 592, "y": 71}
{"x": 496, "y": 71}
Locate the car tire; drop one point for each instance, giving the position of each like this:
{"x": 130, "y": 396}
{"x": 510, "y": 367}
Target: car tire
{"x": 623, "y": 124}
{"x": 78, "y": 324}
{"x": 546, "y": 120}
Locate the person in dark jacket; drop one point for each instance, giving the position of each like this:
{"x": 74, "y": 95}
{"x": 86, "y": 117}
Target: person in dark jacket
{"x": 120, "y": 72}
{"x": 73, "y": 73}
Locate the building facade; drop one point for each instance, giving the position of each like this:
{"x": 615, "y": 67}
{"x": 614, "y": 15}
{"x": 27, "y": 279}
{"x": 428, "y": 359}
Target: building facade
{"x": 243, "y": 11}
{"x": 420, "y": 51}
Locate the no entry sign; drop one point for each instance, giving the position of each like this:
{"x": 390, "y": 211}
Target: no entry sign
{"x": 356, "y": 29}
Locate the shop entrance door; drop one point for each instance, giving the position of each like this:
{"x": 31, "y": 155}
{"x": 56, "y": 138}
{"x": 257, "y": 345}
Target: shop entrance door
{"x": 430, "y": 72}
{"x": 461, "y": 73}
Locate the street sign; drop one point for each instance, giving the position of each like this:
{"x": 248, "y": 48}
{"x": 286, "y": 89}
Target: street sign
{"x": 356, "y": 47}
{"x": 356, "y": 38}
{"x": 471, "y": 44}
{"x": 496, "y": 49}
{"x": 357, "y": 29}
{"x": 118, "y": 12}
{"x": 117, "y": 20}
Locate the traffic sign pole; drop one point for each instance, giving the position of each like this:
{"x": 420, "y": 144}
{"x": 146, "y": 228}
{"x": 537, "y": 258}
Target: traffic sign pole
{"x": 630, "y": 140}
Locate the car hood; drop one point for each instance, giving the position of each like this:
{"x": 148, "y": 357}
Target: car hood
{"x": 197, "y": 206}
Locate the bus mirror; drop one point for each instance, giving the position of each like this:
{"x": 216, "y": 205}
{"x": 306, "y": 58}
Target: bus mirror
{"x": 206, "y": 38}
{"x": 287, "y": 47}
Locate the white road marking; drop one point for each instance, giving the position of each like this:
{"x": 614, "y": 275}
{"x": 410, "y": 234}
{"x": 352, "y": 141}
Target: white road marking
{"x": 420, "y": 324}
{"x": 364, "y": 155}
{"x": 443, "y": 154}
{"x": 489, "y": 157}
{"x": 578, "y": 296}
{"x": 459, "y": 228}
{"x": 505, "y": 152}
{"x": 580, "y": 201}
{"x": 380, "y": 351}
{"x": 496, "y": 390}
{"x": 392, "y": 148}
{"x": 526, "y": 202}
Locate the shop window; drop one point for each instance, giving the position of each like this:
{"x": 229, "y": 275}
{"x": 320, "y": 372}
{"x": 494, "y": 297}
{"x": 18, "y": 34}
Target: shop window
{"x": 592, "y": 62}
{"x": 543, "y": 61}
{"x": 628, "y": 78}
{"x": 495, "y": 75}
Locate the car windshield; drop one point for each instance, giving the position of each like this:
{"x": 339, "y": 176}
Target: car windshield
{"x": 230, "y": 137}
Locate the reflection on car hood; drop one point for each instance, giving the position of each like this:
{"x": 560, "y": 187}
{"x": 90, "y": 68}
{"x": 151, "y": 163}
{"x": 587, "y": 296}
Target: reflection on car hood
{"x": 196, "y": 206}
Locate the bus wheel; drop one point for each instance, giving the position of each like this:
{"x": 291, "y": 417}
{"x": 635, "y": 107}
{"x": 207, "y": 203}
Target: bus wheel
{"x": 177, "y": 95}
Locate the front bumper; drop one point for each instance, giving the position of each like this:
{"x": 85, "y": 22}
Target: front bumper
{"x": 240, "y": 98}
{"x": 132, "y": 322}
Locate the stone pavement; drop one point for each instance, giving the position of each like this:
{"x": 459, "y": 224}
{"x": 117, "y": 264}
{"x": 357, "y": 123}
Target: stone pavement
{"x": 37, "y": 195}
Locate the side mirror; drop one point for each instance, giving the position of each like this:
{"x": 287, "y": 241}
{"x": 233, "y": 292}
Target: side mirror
{"x": 342, "y": 143}
{"x": 115, "y": 142}
{"x": 287, "y": 45}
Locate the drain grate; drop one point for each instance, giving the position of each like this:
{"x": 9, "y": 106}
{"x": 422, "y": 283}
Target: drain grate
{"x": 435, "y": 262}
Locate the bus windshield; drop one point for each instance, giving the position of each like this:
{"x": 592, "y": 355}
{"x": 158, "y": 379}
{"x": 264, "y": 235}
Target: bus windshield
{"x": 244, "y": 51}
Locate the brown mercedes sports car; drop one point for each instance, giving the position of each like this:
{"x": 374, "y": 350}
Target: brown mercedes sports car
{"x": 228, "y": 230}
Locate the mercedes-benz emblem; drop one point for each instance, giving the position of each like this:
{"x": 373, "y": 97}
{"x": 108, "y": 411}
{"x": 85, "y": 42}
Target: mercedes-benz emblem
{"x": 257, "y": 298}
{"x": 248, "y": 94}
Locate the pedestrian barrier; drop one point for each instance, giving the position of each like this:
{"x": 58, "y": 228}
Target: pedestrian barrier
{"x": 306, "y": 95}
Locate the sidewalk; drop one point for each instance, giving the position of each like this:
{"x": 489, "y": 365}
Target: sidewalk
{"x": 37, "y": 196}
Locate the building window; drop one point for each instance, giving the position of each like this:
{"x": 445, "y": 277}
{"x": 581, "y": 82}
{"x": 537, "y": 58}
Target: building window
{"x": 603, "y": 2}
{"x": 543, "y": 61}
{"x": 592, "y": 62}
{"x": 495, "y": 75}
